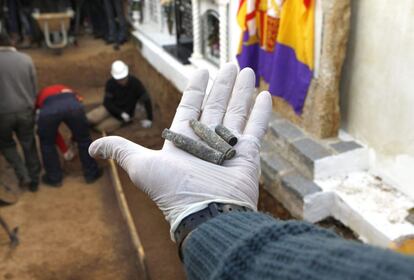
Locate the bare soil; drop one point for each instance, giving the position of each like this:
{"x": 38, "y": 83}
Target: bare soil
{"x": 72, "y": 232}
{"x": 77, "y": 231}
{"x": 161, "y": 253}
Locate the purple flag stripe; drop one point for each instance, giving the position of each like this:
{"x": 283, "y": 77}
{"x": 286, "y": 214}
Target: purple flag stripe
{"x": 290, "y": 78}
{"x": 286, "y": 75}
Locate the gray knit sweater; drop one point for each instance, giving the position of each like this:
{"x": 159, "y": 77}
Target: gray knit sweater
{"x": 17, "y": 81}
{"x": 256, "y": 246}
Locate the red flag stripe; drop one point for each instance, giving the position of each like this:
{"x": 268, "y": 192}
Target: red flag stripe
{"x": 250, "y": 16}
{"x": 241, "y": 4}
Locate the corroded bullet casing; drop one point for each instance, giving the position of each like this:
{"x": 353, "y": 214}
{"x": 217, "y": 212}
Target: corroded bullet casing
{"x": 212, "y": 139}
{"x": 196, "y": 148}
{"x": 226, "y": 134}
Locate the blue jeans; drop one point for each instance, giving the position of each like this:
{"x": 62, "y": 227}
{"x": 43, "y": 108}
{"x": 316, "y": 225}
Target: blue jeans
{"x": 26, "y": 22}
{"x": 96, "y": 11}
{"x": 57, "y": 109}
{"x": 114, "y": 10}
{"x": 13, "y": 16}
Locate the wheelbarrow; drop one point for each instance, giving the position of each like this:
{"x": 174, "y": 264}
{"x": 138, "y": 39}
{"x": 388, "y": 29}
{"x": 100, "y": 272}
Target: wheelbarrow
{"x": 55, "y": 23}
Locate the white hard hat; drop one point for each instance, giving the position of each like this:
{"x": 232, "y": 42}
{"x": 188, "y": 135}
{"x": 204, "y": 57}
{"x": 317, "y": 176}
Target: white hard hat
{"x": 119, "y": 70}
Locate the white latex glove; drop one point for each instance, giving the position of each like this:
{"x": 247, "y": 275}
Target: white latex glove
{"x": 37, "y": 114}
{"x": 69, "y": 155}
{"x": 181, "y": 184}
{"x": 146, "y": 123}
{"x": 125, "y": 117}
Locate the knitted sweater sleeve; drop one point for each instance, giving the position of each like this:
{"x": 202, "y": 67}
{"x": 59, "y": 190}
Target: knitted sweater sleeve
{"x": 257, "y": 246}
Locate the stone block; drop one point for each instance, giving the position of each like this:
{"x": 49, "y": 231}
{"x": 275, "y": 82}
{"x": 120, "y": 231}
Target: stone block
{"x": 288, "y": 199}
{"x": 276, "y": 117}
{"x": 345, "y": 146}
{"x": 410, "y": 218}
{"x": 273, "y": 165}
{"x": 265, "y": 180}
{"x": 299, "y": 185}
{"x": 304, "y": 153}
{"x": 267, "y": 146}
{"x": 285, "y": 130}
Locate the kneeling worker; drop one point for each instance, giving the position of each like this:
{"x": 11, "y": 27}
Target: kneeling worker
{"x": 58, "y": 104}
{"x": 122, "y": 92}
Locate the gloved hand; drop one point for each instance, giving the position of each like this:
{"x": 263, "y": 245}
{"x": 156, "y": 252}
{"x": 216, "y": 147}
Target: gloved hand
{"x": 68, "y": 155}
{"x": 181, "y": 184}
{"x": 146, "y": 123}
{"x": 125, "y": 117}
{"x": 37, "y": 114}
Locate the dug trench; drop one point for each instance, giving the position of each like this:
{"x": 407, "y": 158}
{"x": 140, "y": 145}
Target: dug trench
{"x": 78, "y": 232}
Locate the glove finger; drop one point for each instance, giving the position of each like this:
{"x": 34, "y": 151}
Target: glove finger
{"x": 260, "y": 116}
{"x": 119, "y": 149}
{"x": 241, "y": 101}
{"x": 190, "y": 105}
{"x": 217, "y": 101}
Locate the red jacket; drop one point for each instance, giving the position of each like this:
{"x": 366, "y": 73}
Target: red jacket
{"x": 52, "y": 91}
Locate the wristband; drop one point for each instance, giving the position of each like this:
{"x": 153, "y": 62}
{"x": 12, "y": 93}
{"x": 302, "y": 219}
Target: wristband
{"x": 189, "y": 223}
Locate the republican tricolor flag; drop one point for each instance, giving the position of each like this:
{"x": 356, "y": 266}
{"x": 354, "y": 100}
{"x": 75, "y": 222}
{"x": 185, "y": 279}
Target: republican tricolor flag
{"x": 278, "y": 43}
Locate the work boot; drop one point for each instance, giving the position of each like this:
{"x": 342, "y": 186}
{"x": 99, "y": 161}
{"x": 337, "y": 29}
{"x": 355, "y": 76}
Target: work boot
{"x": 34, "y": 186}
{"x": 109, "y": 40}
{"x": 90, "y": 180}
{"x": 24, "y": 184}
{"x": 50, "y": 183}
{"x": 26, "y": 43}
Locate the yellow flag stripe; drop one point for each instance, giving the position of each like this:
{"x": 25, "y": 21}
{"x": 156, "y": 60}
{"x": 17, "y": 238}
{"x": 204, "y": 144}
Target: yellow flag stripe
{"x": 297, "y": 29}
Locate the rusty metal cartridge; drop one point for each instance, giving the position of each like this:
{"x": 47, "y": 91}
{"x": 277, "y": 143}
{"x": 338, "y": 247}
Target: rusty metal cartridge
{"x": 194, "y": 147}
{"x": 212, "y": 139}
{"x": 226, "y": 134}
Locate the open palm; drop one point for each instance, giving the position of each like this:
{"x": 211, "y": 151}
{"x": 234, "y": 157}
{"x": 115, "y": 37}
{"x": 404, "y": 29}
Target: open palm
{"x": 181, "y": 184}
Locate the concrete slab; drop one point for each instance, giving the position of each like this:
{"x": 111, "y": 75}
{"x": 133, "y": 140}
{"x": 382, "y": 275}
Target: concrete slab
{"x": 342, "y": 164}
{"x": 299, "y": 185}
{"x": 345, "y": 146}
{"x": 371, "y": 208}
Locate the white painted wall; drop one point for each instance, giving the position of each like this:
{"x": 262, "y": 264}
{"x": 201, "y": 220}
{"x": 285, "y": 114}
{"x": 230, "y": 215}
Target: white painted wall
{"x": 234, "y": 30}
{"x": 377, "y": 88}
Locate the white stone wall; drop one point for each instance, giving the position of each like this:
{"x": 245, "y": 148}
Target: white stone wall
{"x": 377, "y": 89}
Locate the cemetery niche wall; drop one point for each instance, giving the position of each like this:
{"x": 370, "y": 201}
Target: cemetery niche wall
{"x": 211, "y": 36}
{"x": 183, "y": 48}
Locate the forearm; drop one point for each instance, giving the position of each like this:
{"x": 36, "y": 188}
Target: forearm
{"x": 112, "y": 109}
{"x": 256, "y": 246}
